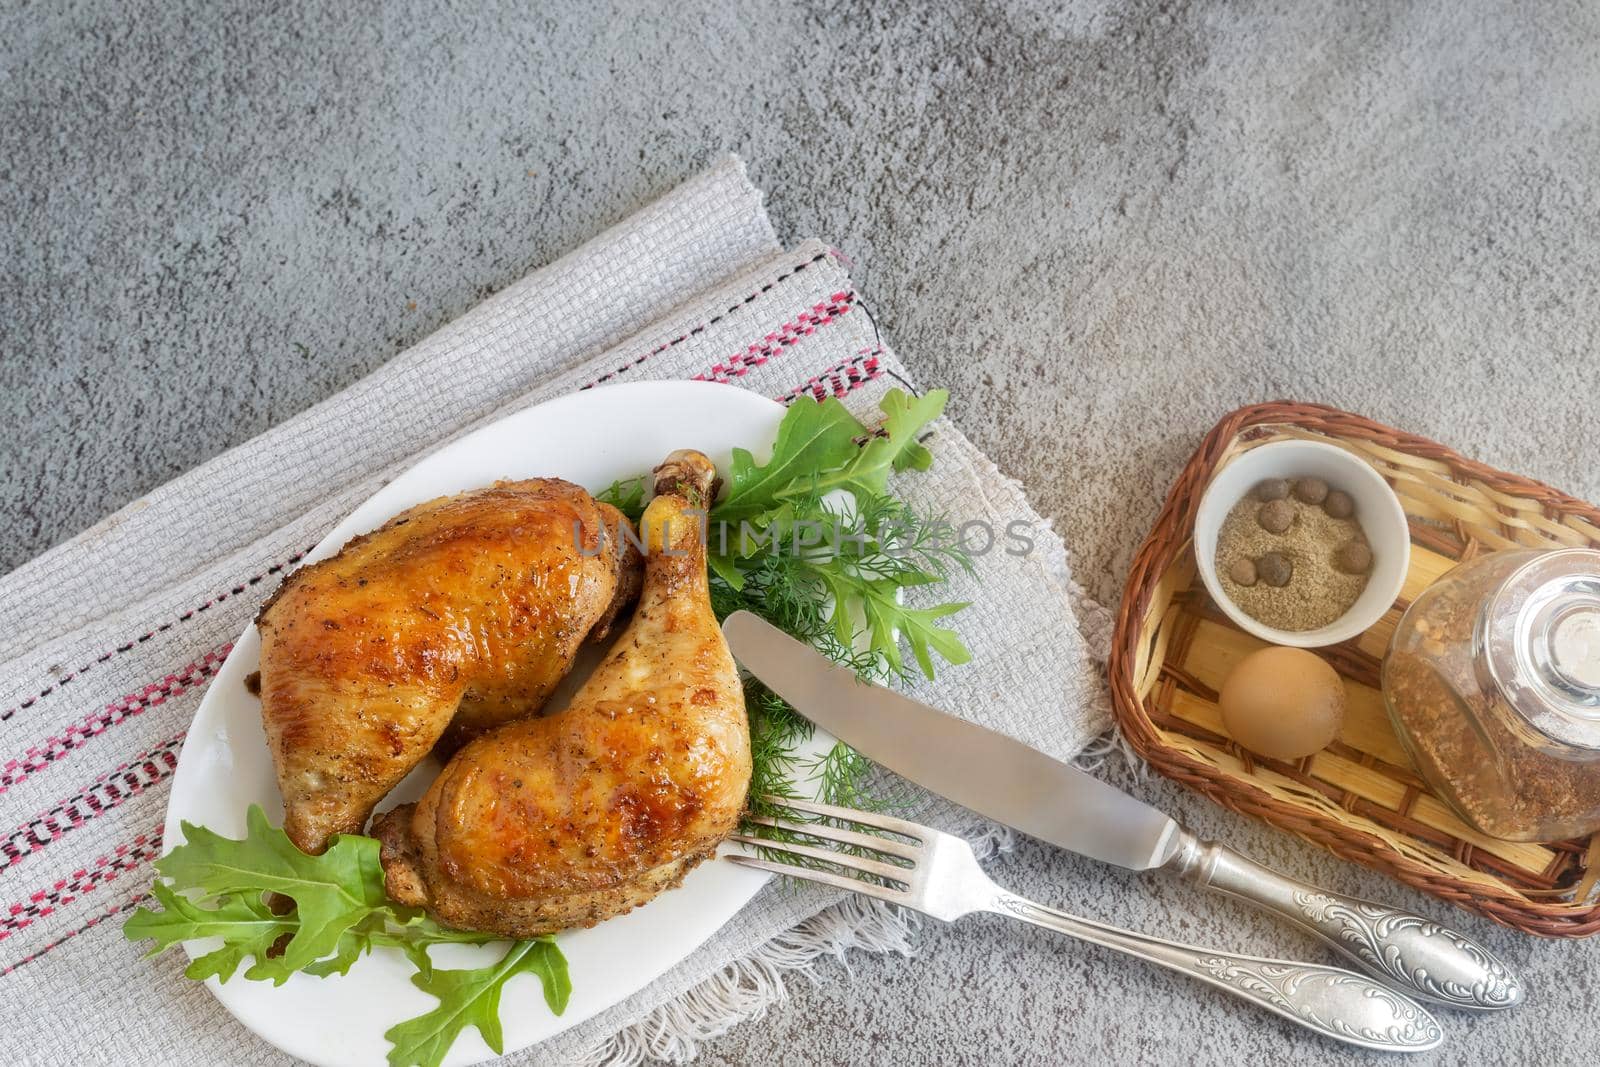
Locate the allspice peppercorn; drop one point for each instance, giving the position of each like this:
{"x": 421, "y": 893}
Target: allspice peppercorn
{"x": 1275, "y": 569}
{"x": 1311, "y": 490}
{"x": 1339, "y": 504}
{"x": 1276, "y": 516}
{"x": 1353, "y": 557}
{"x": 1272, "y": 489}
{"x": 1243, "y": 572}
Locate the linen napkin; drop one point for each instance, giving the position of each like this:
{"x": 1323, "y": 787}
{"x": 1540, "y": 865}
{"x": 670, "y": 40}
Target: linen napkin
{"x": 107, "y": 642}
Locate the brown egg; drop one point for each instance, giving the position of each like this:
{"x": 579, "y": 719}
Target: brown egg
{"x": 1283, "y": 703}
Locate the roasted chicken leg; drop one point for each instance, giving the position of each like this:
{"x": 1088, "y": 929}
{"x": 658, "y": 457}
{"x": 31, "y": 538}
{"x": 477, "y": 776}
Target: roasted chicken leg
{"x": 573, "y": 818}
{"x": 456, "y": 616}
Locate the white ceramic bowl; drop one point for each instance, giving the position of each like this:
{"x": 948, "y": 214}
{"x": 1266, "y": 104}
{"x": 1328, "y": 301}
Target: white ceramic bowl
{"x": 1377, "y": 510}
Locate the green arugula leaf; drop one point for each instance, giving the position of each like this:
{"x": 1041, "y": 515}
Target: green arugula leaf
{"x": 222, "y": 962}
{"x": 340, "y": 915}
{"x": 246, "y": 925}
{"x": 472, "y": 998}
{"x": 332, "y": 892}
{"x": 354, "y": 943}
{"x": 412, "y": 932}
{"x": 818, "y": 450}
{"x": 811, "y": 438}
{"x": 418, "y": 933}
{"x": 725, "y": 568}
{"x": 887, "y": 618}
{"x": 893, "y": 448}
{"x": 905, "y": 417}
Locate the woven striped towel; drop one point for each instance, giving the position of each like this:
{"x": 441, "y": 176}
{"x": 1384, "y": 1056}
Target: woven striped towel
{"x": 107, "y": 642}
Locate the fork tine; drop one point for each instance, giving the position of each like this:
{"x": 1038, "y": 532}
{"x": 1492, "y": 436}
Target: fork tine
{"x": 842, "y": 859}
{"x": 829, "y": 832}
{"x": 865, "y": 818}
{"x": 838, "y": 881}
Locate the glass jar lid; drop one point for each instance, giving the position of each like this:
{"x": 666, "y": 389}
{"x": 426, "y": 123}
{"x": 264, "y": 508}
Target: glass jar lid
{"x": 1541, "y": 644}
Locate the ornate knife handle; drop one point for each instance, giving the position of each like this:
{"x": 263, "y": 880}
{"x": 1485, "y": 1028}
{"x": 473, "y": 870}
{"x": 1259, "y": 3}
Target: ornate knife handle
{"x": 1328, "y": 1000}
{"x": 1416, "y": 955}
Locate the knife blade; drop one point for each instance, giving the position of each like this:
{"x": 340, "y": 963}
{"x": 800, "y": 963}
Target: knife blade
{"x": 978, "y": 768}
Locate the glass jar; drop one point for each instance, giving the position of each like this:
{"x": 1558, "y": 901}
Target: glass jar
{"x": 1493, "y": 683}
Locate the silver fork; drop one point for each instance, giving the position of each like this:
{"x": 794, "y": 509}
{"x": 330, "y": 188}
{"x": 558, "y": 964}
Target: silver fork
{"x": 935, "y": 873}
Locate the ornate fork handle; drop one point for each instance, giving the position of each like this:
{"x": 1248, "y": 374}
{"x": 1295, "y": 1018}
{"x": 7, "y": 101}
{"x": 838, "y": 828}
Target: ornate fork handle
{"x": 1418, "y": 955}
{"x": 1333, "y": 1002}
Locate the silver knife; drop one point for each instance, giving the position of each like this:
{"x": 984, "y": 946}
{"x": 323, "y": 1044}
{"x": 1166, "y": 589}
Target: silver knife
{"x": 1010, "y": 782}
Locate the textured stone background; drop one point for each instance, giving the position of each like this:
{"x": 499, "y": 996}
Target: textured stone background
{"x": 1101, "y": 226}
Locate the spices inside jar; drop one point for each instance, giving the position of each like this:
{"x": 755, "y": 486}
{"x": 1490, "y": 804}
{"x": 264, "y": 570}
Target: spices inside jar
{"x": 1493, "y": 683}
{"x": 1302, "y": 550}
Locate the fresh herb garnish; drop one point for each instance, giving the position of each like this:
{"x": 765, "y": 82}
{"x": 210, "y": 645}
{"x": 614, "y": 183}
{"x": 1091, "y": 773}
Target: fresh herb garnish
{"x": 822, "y": 447}
{"x": 248, "y": 928}
{"x": 813, "y": 541}
{"x": 472, "y": 998}
{"x": 289, "y": 912}
{"x": 331, "y": 892}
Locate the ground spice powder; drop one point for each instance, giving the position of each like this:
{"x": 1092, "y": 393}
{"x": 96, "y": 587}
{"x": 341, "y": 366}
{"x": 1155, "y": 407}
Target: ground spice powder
{"x": 1317, "y": 593}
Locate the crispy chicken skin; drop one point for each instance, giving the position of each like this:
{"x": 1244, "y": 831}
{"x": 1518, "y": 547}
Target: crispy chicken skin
{"x": 456, "y": 616}
{"x": 570, "y": 819}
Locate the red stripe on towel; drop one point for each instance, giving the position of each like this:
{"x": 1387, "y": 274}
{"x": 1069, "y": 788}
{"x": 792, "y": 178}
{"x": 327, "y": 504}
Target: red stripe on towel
{"x": 115, "y": 909}
{"x": 109, "y": 791}
{"x": 713, "y": 320}
{"x": 790, "y": 333}
{"x": 104, "y": 870}
{"x": 840, "y": 379}
{"x": 80, "y": 733}
{"x": 129, "y": 646}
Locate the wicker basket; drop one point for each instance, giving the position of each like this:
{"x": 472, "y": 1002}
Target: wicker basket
{"x": 1360, "y": 798}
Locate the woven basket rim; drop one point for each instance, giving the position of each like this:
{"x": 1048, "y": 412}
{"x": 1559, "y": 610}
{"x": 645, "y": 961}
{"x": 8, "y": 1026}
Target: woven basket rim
{"x": 1160, "y": 550}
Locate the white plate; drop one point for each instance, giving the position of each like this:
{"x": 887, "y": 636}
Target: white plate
{"x": 591, "y": 438}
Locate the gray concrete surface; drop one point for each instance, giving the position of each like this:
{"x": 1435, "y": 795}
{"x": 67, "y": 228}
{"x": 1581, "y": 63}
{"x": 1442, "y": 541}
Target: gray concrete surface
{"x": 1100, "y": 224}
